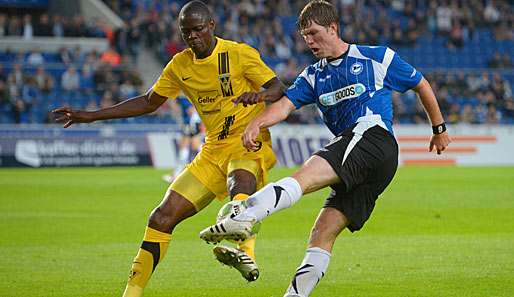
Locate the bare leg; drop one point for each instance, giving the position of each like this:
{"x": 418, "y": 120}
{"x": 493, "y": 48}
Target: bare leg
{"x": 241, "y": 181}
{"x": 316, "y": 173}
{"x": 173, "y": 209}
{"x": 328, "y": 225}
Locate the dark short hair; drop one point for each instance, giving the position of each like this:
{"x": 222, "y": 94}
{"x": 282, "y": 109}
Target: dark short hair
{"x": 196, "y": 7}
{"x": 320, "y": 12}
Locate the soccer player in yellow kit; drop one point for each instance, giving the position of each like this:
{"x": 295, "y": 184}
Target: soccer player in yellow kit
{"x": 213, "y": 73}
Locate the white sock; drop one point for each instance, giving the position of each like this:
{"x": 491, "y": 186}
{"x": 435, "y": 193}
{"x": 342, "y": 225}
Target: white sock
{"x": 183, "y": 156}
{"x": 310, "y": 272}
{"x": 272, "y": 198}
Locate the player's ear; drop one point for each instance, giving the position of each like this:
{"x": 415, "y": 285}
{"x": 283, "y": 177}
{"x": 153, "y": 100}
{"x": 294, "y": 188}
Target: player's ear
{"x": 333, "y": 28}
{"x": 212, "y": 25}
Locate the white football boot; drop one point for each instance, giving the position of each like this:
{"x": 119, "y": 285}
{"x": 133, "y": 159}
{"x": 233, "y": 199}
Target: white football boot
{"x": 229, "y": 229}
{"x": 239, "y": 260}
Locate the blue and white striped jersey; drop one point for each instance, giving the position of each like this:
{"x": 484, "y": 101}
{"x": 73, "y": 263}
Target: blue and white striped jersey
{"x": 355, "y": 86}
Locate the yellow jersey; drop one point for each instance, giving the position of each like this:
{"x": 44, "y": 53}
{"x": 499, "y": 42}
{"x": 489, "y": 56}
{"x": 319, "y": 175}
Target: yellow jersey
{"x": 211, "y": 84}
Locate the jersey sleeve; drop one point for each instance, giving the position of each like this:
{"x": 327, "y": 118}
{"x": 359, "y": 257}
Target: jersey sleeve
{"x": 255, "y": 70}
{"x": 167, "y": 84}
{"x": 301, "y": 92}
{"x": 401, "y": 76}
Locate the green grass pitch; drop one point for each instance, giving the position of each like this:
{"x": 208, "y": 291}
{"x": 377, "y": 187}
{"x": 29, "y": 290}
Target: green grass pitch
{"x": 442, "y": 231}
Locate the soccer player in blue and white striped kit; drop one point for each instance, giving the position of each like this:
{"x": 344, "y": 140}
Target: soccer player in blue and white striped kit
{"x": 352, "y": 87}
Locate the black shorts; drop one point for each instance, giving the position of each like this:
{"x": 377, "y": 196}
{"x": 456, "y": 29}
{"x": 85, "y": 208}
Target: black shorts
{"x": 367, "y": 170}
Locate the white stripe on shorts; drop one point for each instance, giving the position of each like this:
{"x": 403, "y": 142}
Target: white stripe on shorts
{"x": 363, "y": 124}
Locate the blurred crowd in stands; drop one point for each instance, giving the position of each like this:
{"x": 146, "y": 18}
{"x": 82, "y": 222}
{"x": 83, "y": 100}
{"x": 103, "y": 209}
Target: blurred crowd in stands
{"x": 34, "y": 82}
{"x": 52, "y": 26}
{"x": 270, "y": 26}
{"x": 463, "y": 98}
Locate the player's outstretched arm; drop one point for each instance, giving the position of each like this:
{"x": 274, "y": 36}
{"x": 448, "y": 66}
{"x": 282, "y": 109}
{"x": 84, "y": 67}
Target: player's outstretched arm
{"x": 274, "y": 89}
{"x": 441, "y": 140}
{"x": 136, "y": 106}
{"x": 273, "y": 114}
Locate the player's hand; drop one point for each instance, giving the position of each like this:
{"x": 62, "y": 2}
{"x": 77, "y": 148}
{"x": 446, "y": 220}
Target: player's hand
{"x": 69, "y": 116}
{"x": 250, "y": 135}
{"x": 250, "y": 98}
{"x": 439, "y": 142}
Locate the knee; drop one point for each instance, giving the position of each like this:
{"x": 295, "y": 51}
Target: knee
{"x": 241, "y": 181}
{"x": 173, "y": 209}
{"x": 162, "y": 220}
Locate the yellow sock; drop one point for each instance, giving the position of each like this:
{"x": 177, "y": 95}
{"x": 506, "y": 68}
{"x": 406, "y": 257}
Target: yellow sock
{"x": 152, "y": 251}
{"x": 240, "y": 197}
{"x": 248, "y": 246}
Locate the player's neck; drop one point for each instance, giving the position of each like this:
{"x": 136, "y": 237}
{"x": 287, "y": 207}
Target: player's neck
{"x": 339, "y": 51}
